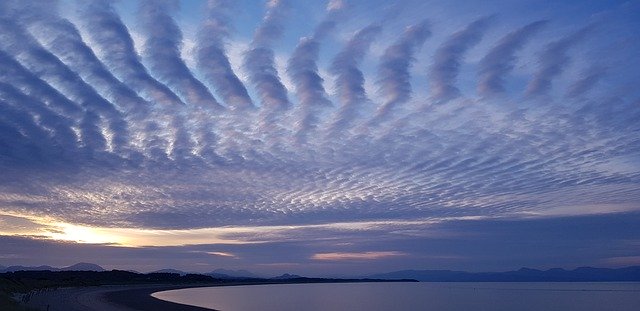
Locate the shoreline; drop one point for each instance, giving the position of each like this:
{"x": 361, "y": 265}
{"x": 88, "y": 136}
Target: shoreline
{"x": 141, "y": 299}
{"x": 110, "y": 298}
{"x": 128, "y": 297}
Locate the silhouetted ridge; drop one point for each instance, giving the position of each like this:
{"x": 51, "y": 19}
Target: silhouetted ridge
{"x": 583, "y": 274}
{"x": 81, "y": 266}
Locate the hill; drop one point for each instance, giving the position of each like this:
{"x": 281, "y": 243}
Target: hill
{"x": 583, "y": 274}
{"x": 170, "y": 271}
{"x": 82, "y": 266}
{"x": 232, "y": 274}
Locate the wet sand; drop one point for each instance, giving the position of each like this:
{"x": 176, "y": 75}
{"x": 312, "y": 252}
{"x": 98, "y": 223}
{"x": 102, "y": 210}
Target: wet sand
{"x": 107, "y": 298}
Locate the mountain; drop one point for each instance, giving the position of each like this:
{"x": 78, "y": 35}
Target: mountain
{"x": 170, "y": 271}
{"x": 23, "y": 268}
{"x": 583, "y": 274}
{"x": 83, "y": 266}
{"x": 232, "y": 274}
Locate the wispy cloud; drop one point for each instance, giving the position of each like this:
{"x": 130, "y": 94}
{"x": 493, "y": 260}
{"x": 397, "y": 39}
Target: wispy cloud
{"x": 222, "y": 254}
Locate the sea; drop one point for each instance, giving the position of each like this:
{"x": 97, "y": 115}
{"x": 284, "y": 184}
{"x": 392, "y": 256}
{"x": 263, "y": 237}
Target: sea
{"x": 422, "y": 296}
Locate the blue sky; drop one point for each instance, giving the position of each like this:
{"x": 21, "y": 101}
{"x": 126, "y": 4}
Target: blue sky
{"x": 320, "y": 137}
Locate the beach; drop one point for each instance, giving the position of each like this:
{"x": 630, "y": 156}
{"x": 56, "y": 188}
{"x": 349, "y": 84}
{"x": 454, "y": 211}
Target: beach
{"x": 106, "y": 298}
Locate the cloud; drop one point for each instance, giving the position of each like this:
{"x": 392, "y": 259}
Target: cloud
{"x": 334, "y": 5}
{"x": 554, "y": 59}
{"x": 583, "y": 85}
{"x": 37, "y": 119}
{"x": 303, "y": 70}
{"x": 466, "y": 240}
{"x": 271, "y": 27}
{"x": 623, "y": 261}
{"x": 259, "y": 61}
{"x": 349, "y": 79}
{"x": 16, "y": 74}
{"x": 394, "y": 82}
{"x": 447, "y": 59}
{"x": 500, "y": 60}
{"x": 162, "y": 51}
{"x": 63, "y": 39}
{"x": 24, "y": 48}
{"x": 212, "y": 56}
{"x": 89, "y": 137}
{"x": 356, "y": 256}
{"x": 112, "y": 37}
{"x": 222, "y": 254}
{"x": 302, "y": 67}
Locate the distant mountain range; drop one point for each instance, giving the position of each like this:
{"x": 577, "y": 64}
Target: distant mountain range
{"x": 170, "y": 271}
{"x": 82, "y": 266}
{"x": 583, "y": 274}
{"x": 218, "y": 273}
{"x": 287, "y": 276}
{"x": 224, "y": 273}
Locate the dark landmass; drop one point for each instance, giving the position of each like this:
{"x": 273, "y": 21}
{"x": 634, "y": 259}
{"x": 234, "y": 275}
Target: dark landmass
{"x": 286, "y": 276}
{"x": 131, "y": 292}
{"x": 226, "y": 274}
{"x": 218, "y": 273}
{"x": 116, "y": 290}
{"x": 583, "y": 274}
{"x": 170, "y": 271}
{"x": 28, "y": 285}
{"x": 82, "y": 266}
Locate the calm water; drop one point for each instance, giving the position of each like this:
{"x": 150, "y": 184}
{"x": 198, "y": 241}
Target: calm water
{"x": 414, "y": 296}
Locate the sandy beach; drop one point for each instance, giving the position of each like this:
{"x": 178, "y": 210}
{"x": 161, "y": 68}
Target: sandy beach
{"x": 106, "y": 298}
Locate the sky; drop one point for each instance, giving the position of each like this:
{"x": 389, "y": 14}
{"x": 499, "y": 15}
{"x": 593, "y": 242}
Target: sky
{"x": 322, "y": 138}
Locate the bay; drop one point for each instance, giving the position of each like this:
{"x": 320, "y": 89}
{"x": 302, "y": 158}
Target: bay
{"x": 413, "y": 296}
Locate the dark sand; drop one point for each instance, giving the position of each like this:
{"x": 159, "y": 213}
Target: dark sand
{"x": 108, "y": 298}
{"x": 141, "y": 299}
